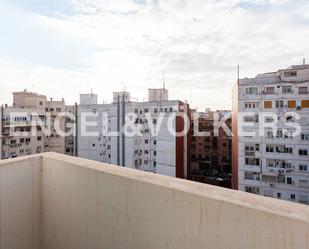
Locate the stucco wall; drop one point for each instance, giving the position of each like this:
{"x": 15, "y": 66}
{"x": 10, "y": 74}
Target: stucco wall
{"x": 19, "y": 203}
{"x": 88, "y": 205}
{"x": 101, "y": 206}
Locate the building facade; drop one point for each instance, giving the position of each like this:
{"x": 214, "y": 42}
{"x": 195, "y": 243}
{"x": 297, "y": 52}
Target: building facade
{"x": 27, "y": 127}
{"x": 211, "y": 155}
{"x": 160, "y": 152}
{"x": 272, "y": 162}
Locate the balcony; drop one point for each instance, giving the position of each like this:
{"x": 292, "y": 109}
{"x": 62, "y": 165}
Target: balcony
{"x": 52, "y": 201}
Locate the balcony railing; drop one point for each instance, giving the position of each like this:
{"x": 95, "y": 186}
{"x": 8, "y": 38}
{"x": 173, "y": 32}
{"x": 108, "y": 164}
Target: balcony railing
{"x": 52, "y": 201}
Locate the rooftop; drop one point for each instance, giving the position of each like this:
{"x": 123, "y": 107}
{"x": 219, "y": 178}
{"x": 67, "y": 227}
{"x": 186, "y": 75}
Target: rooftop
{"x": 54, "y": 201}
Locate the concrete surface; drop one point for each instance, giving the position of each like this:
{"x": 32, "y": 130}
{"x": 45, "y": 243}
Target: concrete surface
{"x": 54, "y": 201}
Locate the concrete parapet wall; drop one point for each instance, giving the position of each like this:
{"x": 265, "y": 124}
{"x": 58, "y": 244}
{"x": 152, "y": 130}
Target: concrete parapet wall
{"x": 81, "y": 204}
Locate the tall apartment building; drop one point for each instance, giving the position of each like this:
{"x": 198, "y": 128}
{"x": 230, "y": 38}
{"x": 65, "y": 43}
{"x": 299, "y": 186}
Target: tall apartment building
{"x": 55, "y": 142}
{"x": 70, "y": 126}
{"x": 28, "y": 117}
{"x": 157, "y": 94}
{"x": 161, "y": 153}
{"x": 211, "y": 156}
{"x": 274, "y": 164}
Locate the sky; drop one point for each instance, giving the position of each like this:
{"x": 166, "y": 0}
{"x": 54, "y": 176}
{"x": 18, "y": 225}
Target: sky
{"x": 62, "y": 48}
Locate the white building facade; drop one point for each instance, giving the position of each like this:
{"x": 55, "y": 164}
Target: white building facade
{"x": 273, "y": 163}
{"x": 161, "y": 153}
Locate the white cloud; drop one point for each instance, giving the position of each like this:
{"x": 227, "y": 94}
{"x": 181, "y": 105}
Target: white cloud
{"x": 197, "y": 42}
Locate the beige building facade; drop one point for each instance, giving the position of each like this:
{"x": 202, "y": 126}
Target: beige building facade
{"x": 28, "y": 126}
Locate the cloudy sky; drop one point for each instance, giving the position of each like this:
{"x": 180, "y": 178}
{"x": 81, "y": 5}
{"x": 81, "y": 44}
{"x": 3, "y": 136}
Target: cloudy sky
{"x": 65, "y": 47}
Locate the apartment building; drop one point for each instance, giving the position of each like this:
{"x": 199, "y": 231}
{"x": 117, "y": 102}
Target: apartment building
{"x": 21, "y": 131}
{"x": 157, "y": 94}
{"x": 211, "y": 155}
{"x": 70, "y": 127}
{"x": 24, "y": 125}
{"x": 55, "y": 142}
{"x": 273, "y": 163}
{"x": 161, "y": 153}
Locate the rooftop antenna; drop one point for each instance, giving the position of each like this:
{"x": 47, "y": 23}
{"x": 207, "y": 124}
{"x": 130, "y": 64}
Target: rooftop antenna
{"x": 124, "y": 86}
{"x": 238, "y": 73}
{"x": 163, "y": 80}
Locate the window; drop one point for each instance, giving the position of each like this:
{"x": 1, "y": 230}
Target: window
{"x": 279, "y": 103}
{"x": 251, "y": 105}
{"x": 252, "y": 119}
{"x": 252, "y": 90}
{"x": 155, "y": 153}
{"x": 154, "y": 142}
{"x": 267, "y": 104}
{"x": 279, "y": 134}
{"x": 136, "y": 111}
{"x": 146, "y": 110}
{"x": 269, "y": 134}
{"x": 279, "y": 195}
{"x": 291, "y": 104}
{"x": 255, "y": 176}
{"x": 289, "y": 180}
{"x": 58, "y": 109}
{"x": 154, "y": 121}
{"x": 273, "y": 163}
{"x": 39, "y": 138}
{"x": 269, "y": 148}
{"x": 253, "y": 190}
{"x": 146, "y": 141}
{"x": 302, "y": 90}
{"x": 303, "y": 167}
{"x": 251, "y": 149}
{"x": 290, "y": 74}
{"x": 303, "y": 152}
{"x": 305, "y": 137}
{"x": 269, "y": 90}
{"x": 252, "y": 161}
{"x": 293, "y": 197}
{"x": 305, "y": 103}
{"x": 287, "y": 89}
{"x": 51, "y": 109}
{"x": 303, "y": 183}
{"x": 40, "y": 103}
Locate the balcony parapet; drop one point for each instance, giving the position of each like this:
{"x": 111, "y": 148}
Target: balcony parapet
{"x": 51, "y": 201}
